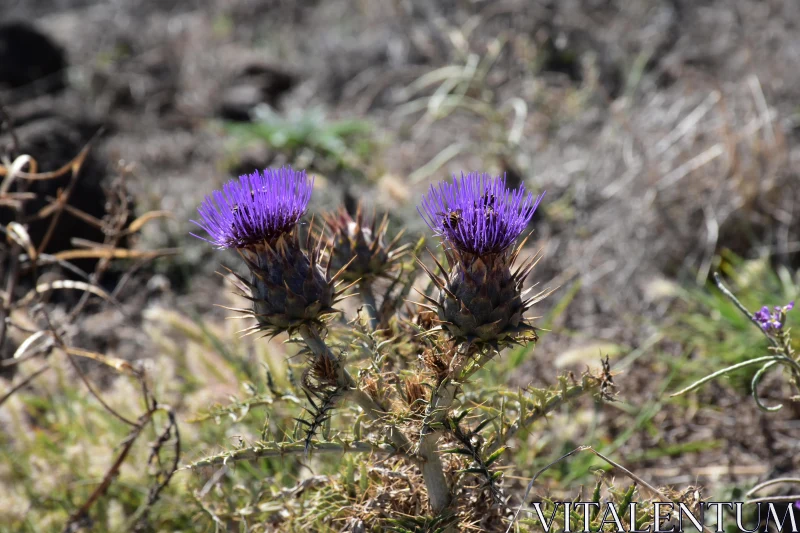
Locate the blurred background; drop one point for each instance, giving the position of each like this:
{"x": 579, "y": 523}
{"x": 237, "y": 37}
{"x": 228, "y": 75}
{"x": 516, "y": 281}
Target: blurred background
{"x": 664, "y": 133}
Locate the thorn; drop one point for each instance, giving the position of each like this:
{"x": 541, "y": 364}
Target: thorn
{"x": 438, "y": 264}
{"x": 342, "y": 271}
{"x": 434, "y": 302}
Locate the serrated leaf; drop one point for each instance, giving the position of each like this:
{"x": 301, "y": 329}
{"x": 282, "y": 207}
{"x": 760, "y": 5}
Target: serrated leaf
{"x": 627, "y": 498}
{"x": 596, "y": 499}
{"x": 539, "y": 394}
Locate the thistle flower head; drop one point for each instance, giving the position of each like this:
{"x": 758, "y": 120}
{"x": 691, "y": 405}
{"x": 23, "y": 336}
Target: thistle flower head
{"x": 773, "y": 321}
{"x": 257, "y": 214}
{"x": 256, "y": 208}
{"x": 480, "y": 297}
{"x": 478, "y": 214}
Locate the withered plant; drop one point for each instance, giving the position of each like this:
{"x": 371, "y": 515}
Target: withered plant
{"x": 39, "y": 330}
{"x": 406, "y": 366}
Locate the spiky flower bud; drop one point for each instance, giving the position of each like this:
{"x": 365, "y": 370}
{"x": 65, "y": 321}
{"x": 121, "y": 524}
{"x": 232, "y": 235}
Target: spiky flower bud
{"x": 360, "y": 246}
{"x": 479, "y": 219}
{"x": 258, "y": 215}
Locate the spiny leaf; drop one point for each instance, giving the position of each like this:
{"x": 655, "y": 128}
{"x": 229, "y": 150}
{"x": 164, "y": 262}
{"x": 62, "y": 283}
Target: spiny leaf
{"x": 462, "y": 451}
{"x": 495, "y": 456}
{"x": 482, "y": 425}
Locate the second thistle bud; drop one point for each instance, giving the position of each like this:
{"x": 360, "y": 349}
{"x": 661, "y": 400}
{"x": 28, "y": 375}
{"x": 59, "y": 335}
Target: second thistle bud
{"x": 359, "y": 247}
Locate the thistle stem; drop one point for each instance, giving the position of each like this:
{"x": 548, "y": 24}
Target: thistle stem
{"x": 739, "y": 305}
{"x": 438, "y": 410}
{"x": 432, "y": 466}
{"x": 576, "y": 391}
{"x": 758, "y": 360}
{"x": 346, "y": 382}
{"x": 281, "y": 450}
{"x": 365, "y": 289}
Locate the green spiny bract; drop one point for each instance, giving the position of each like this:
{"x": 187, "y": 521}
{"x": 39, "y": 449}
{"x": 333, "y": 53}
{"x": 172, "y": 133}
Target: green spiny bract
{"x": 289, "y": 287}
{"x": 481, "y": 298}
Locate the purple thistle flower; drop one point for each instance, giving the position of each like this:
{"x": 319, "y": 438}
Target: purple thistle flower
{"x": 478, "y": 214}
{"x": 256, "y": 208}
{"x": 772, "y": 321}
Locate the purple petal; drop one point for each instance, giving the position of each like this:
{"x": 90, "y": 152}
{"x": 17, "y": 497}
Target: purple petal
{"x": 762, "y": 315}
{"x": 255, "y": 208}
{"x": 478, "y": 214}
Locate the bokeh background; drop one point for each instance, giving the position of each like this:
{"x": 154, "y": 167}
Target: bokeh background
{"x": 664, "y": 132}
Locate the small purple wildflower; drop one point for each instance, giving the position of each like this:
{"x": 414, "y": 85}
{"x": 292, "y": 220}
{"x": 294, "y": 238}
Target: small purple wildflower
{"x": 772, "y": 321}
{"x": 478, "y": 214}
{"x": 257, "y": 207}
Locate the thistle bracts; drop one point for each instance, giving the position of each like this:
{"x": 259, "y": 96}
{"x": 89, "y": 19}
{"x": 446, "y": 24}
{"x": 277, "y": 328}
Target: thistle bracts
{"x": 481, "y": 299}
{"x": 481, "y": 293}
{"x": 289, "y": 287}
{"x": 360, "y": 247}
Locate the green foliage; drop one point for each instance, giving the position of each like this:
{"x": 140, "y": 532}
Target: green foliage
{"x": 604, "y": 493}
{"x": 342, "y": 143}
{"x": 717, "y": 334}
{"x": 715, "y": 327}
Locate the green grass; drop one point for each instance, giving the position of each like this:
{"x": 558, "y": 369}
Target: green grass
{"x": 309, "y": 134}
{"x": 712, "y": 334}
